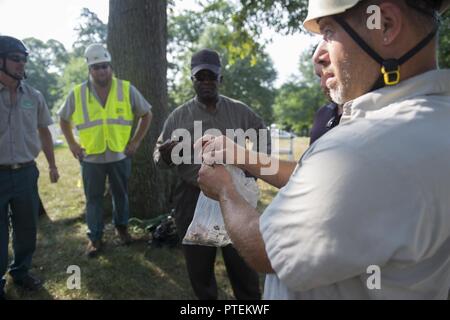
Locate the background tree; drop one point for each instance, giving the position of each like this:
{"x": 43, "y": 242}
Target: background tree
{"x": 47, "y": 61}
{"x": 444, "y": 43}
{"x": 298, "y": 100}
{"x": 285, "y": 16}
{"x": 91, "y": 29}
{"x": 137, "y": 39}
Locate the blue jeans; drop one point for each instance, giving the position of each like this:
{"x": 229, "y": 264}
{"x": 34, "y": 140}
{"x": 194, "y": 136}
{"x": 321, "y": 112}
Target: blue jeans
{"x": 19, "y": 193}
{"x": 94, "y": 178}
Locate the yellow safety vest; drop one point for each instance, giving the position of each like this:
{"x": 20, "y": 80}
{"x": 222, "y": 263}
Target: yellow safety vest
{"x": 104, "y": 127}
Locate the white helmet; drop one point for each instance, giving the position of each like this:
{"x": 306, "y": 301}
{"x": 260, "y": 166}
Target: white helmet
{"x": 323, "y": 8}
{"x": 390, "y": 68}
{"x": 96, "y": 53}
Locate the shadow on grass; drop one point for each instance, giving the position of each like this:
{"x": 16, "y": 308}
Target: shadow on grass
{"x": 134, "y": 272}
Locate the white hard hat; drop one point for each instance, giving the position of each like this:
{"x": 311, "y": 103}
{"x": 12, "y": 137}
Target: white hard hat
{"x": 323, "y": 8}
{"x": 96, "y": 53}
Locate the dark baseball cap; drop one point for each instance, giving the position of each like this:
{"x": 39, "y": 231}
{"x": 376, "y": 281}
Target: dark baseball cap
{"x": 205, "y": 59}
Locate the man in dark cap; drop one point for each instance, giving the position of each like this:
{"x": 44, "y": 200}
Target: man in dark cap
{"x": 208, "y": 110}
{"x": 24, "y": 121}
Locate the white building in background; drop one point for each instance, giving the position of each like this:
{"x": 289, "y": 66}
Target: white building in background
{"x": 282, "y": 142}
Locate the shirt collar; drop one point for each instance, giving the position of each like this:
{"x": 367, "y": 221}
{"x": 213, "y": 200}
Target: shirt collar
{"x": 203, "y": 106}
{"x": 19, "y": 87}
{"x": 435, "y": 82}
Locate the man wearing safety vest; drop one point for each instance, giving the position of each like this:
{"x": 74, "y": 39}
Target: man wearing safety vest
{"x": 103, "y": 110}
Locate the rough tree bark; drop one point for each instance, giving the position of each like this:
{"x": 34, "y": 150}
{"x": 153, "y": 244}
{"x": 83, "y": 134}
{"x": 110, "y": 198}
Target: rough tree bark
{"x": 137, "y": 40}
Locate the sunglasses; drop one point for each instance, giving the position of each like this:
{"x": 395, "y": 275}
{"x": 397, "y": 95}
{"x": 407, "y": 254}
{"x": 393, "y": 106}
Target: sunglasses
{"x": 17, "y": 58}
{"x": 102, "y": 66}
{"x": 205, "y": 77}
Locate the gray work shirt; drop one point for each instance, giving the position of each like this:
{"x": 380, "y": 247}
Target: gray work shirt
{"x": 140, "y": 108}
{"x": 229, "y": 114}
{"x": 19, "y": 123}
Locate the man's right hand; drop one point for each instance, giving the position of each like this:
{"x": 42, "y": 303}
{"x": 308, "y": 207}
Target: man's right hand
{"x": 77, "y": 151}
{"x": 220, "y": 150}
{"x": 165, "y": 150}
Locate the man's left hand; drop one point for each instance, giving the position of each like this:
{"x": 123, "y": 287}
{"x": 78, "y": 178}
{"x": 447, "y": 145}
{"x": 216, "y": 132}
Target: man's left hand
{"x": 132, "y": 148}
{"x": 54, "y": 175}
{"x": 214, "y": 181}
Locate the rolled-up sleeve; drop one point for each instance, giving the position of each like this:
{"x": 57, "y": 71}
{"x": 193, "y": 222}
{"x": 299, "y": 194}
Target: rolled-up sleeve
{"x": 139, "y": 104}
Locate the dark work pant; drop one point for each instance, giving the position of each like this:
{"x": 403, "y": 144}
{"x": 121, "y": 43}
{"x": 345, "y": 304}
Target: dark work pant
{"x": 18, "y": 192}
{"x": 200, "y": 259}
{"x": 94, "y": 178}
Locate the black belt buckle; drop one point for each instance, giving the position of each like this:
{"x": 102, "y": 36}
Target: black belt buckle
{"x": 16, "y": 166}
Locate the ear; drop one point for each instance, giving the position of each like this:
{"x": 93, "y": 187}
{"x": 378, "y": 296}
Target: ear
{"x": 391, "y": 22}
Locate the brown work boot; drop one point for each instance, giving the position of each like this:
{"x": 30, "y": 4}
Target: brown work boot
{"x": 124, "y": 236}
{"x": 93, "y": 248}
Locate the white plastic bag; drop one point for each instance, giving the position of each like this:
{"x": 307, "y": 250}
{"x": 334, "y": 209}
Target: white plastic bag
{"x": 207, "y": 227}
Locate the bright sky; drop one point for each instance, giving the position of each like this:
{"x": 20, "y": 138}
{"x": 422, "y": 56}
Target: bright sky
{"x": 56, "y": 19}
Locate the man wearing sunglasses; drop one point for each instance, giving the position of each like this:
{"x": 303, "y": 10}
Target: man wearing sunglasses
{"x": 24, "y": 121}
{"x": 103, "y": 110}
{"x": 213, "y": 111}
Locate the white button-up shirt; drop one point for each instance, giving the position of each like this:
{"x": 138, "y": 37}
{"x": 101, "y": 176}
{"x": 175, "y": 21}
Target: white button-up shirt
{"x": 375, "y": 191}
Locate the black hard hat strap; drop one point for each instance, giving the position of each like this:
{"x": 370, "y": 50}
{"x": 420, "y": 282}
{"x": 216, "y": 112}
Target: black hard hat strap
{"x": 422, "y": 44}
{"x": 3, "y": 68}
{"x": 390, "y": 68}
{"x": 352, "y": 33}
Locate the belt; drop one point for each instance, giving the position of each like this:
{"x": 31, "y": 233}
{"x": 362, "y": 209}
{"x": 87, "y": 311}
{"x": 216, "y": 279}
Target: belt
{"x": 17, "y": 166}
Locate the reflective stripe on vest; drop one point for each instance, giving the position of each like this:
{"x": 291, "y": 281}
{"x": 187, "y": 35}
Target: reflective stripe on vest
{"x": 112, "y": 130}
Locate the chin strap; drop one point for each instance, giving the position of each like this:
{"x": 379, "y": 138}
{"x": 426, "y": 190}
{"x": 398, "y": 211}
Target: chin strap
{"x": 390, "y": 68}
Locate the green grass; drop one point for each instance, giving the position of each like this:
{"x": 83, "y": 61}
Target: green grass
{"x": 139, "y": 271}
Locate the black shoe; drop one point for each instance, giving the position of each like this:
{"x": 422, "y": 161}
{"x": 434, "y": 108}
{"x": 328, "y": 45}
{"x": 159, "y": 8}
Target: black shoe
{"x": 29, "y": 282}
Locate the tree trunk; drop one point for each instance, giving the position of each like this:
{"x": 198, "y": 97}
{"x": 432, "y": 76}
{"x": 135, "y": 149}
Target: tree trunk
{"x": 137, "y": 39}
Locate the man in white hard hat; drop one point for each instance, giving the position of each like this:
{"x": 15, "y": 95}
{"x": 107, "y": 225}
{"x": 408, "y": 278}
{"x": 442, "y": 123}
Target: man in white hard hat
{"x": 103, "y": 110}
{"x": 366, "y": 213}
